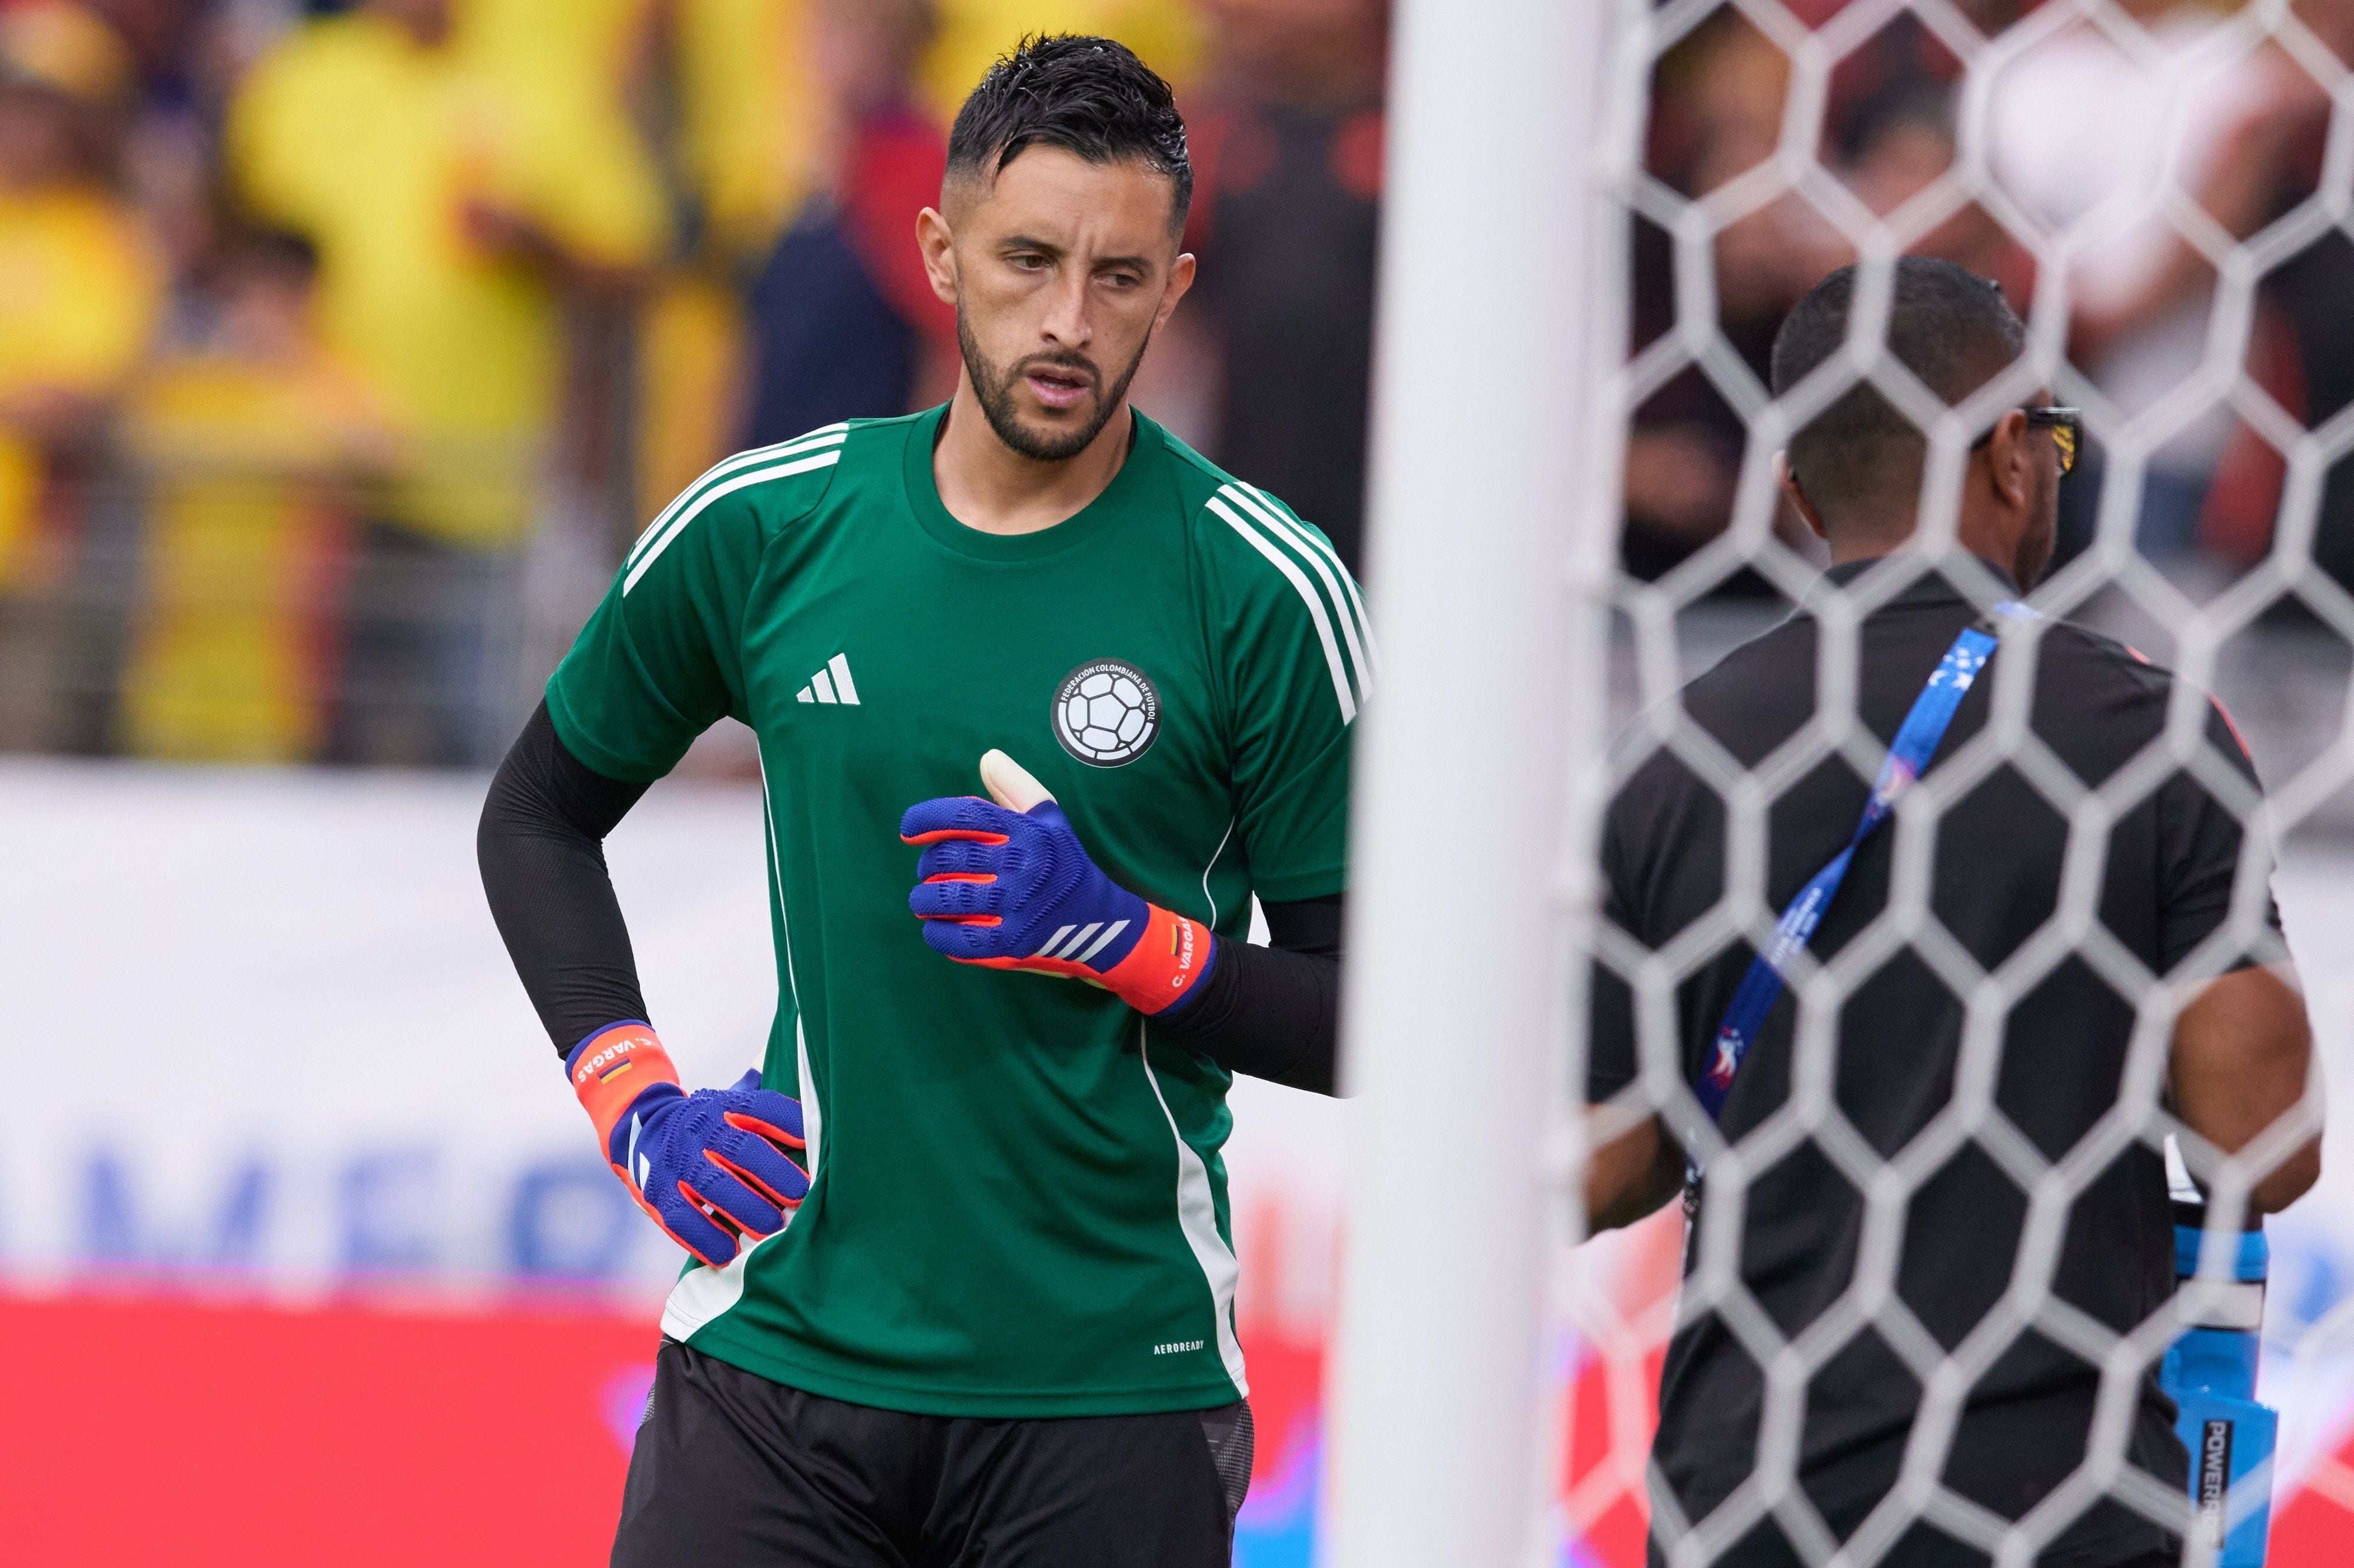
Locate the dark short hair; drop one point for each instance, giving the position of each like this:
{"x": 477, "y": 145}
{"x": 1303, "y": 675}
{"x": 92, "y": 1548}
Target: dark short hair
{"x": 1951, "y": 328}
{"x": 1088, "y": 96}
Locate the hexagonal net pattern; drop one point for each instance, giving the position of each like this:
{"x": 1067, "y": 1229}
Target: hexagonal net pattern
{"x": 2162, "y": 189}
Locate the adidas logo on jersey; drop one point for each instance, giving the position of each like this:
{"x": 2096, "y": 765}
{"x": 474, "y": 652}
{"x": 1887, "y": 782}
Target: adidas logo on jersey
{"x": 831, "y": 684}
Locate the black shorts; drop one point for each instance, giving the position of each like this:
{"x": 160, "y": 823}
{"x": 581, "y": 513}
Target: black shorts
{"x": 731, "y": 1470}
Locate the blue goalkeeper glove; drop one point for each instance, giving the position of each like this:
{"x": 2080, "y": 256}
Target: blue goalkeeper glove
{"x": 1008, "y": 885}
{"x": 712, "y": 1167}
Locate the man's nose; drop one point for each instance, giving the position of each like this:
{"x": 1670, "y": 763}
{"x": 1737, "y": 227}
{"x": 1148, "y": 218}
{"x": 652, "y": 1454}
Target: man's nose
{"x": 1067, "y": 323}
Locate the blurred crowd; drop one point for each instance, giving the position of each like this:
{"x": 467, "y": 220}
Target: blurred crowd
{"x": 343, "y": 347}
{"x": 2142, "y": 140}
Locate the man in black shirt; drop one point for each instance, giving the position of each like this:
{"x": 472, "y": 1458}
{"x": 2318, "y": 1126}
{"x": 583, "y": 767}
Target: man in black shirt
{"x": 1946, "y": 1197}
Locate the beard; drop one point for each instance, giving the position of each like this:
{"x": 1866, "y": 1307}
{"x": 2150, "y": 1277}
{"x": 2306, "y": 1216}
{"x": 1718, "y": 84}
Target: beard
{"x": 994, "y": 386}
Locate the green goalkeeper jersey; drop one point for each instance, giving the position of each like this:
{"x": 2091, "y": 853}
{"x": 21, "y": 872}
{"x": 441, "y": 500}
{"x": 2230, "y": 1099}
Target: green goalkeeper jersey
{"x": 1019, "y": 1207}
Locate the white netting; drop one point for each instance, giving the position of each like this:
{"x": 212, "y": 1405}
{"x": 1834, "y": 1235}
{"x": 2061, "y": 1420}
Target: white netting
{"x": 2099, "y": 157}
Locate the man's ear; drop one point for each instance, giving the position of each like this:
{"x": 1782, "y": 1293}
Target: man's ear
{"x": 1180, "y": 278}
{"x": 937, "y": 247}
{"x": 1787, "y": 478}
{"x": 2010, "y": 462}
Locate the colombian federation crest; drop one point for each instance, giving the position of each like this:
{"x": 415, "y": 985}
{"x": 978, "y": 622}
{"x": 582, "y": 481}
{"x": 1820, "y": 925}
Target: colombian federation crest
{"x": 1107, "y": 713}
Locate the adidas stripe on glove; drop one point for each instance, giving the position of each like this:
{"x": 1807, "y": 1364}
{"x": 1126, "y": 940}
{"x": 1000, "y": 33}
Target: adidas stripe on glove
{"x": 712, "y": 1167}
{"x": 1008, "y": 885}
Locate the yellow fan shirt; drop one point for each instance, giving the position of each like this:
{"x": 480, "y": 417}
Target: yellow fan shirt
{"x": 351, "y": 133}
{"x": 80, "y": 290}
{"x": 244, "y": 464}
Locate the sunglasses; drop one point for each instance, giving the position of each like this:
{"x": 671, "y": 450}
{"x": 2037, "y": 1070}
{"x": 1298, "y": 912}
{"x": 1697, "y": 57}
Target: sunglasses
{"x": 2067, "y": 428}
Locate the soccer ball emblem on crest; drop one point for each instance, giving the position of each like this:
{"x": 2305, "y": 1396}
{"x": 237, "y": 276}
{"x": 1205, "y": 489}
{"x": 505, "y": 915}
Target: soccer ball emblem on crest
{"x": 1107, "y": 713}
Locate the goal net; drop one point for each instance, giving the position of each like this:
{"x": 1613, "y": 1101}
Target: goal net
{"x": 2162, "y": 190}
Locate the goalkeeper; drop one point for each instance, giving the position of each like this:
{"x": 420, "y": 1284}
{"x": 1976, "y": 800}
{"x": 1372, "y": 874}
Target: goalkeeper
{"x": 962, "y": 1287}
{"x": 1912, "y": 1046}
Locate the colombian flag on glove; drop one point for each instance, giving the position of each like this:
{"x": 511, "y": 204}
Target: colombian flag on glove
{"x": 1009, "y": 886}
{"x": 711, "y": 1167}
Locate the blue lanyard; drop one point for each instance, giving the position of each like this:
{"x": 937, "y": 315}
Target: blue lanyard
{"x": 1916, "y": 742}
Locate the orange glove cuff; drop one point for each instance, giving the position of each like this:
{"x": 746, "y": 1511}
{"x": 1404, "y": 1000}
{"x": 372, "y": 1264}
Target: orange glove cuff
{"x": 1167, "y": 960}
{"x": 611, "y": 1069}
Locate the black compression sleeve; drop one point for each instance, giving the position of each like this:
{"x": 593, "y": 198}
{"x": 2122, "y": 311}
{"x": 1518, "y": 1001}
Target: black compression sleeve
{"x": 542, "y": 853}
{"x": 1272, "y": 1012}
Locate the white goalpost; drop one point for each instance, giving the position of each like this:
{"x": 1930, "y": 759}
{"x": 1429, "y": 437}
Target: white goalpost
{"x": 1493, "y": 505}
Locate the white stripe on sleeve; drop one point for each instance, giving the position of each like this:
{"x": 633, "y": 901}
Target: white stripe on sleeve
{"x": 799, "y": 446}
{"x": 678, "y": 527}
{"x": 1356, "y": 603}
{"x": 1283, "y": 529}
{"x": 1307, "y": 591}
